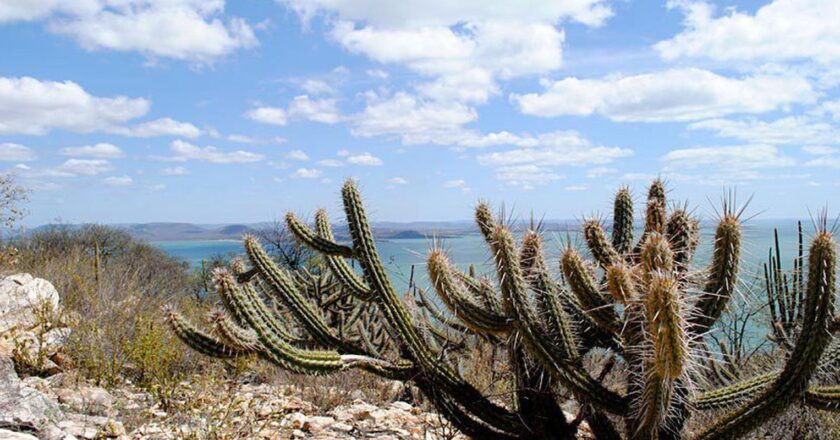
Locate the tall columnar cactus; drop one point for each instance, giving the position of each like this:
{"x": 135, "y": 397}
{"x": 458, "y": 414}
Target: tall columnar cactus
{"x": 643, "y": 301}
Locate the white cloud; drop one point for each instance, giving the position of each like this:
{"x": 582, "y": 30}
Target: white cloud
{"x": 458, "y": 184}
{"x": 35, "y": 107}
{"x": 397, "y": 181}
{"x": 100, "y": 150}
{"x": 600, "y": 171}
{"x": 377, "y": 73}
{"x": 80, "y": 167}
{"x": 317, "y": 87}
{"x": 184, "y": 151}
{"x": 118, "y": 181}
{"x": 787, "y": 130}
{"x": 192, "y": 30}
{"x": 738, "y": 157}
{"x": 576, "y": 188}
{"x": 781, "y": 30}
{"x": 833, "y": 108}
{"x": 826, "y": 156}
{"x": 175, "y": 171}
{"x": 242, "y": 139}
{"x": 161, "y": 127}
{"x": 307, "y": 173}
{"x": 365, "y": 159}
{"x": 671, "y": 95}
{"x": 330, "y": 163}
{"x": 526, "y": 175}
{"x": 420, "y": 13}
{"x": 318, "y": 110}
{"x": 343, "y": 153}
{"x": 296, "y": 155}
{"x": 412, "y": 119}
{"x": 10, "y": 152}
{"x": 556, "y": 149}
{"x": 268, "y": 115}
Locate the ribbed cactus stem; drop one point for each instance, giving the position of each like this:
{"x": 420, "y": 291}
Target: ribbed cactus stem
{"x": 197, "y": 339}
{"x": 723, "y": 275}
{"x": 338, "y": 266}
{"x": 680, "y": 232}
{"x": 656, "y": 255}
{"x": 601, "y": 249}
{"x": 622, "y": 232}
{"x": 621, "y": 283}
{"x": 453, "y": 295}
{"x": 315, "y": 241}
{"x": 656, "y": 211}
{"x": 484, "y": 219}
{"x": 813, "y": 340}
{"x": 583, "y": 285}
{"x": 232, "y": 334}
{"x": 667, "y": 358}
{"x": 400, "y": 320}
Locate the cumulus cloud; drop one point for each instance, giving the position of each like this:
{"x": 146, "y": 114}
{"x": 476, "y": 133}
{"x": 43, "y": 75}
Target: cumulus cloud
{"x": 411, "y": 119}
{"x": 457, "y": 184}
{"x": 782, "y": 30}
{"x": 296, "y": 155}
{"x": 365, "y": 159}
{"x": 161, "y": 127}
{"x": 100, "y": 150}
{"x": 193, "y": 30}
{"x": 10, "y": 152}
{"x": 787, "y": 130}
{"x": 307, "y": 173}
{"x": 303, "y": 107}
{"x": 34, "y": 107}
{"x": 175, "y": 171}
{"x": 268, "y": 115}
{"x": 318, "y": 110}
{"x": 80, "y": 167}
{"x": 672, "y": 95}
{"x": 184, "y": 151}
{"x": 737, "y": 157}
{"x": 397, "y": 181}
{"x": 118, "y": 181}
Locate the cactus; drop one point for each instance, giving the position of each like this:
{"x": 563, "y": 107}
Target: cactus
{"x": 643, "y": 301}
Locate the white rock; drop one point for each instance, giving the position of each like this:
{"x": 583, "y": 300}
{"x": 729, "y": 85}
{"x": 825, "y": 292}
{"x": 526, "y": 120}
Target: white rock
{"x": 11, "y": 435}
{"x": 20, "y": 296}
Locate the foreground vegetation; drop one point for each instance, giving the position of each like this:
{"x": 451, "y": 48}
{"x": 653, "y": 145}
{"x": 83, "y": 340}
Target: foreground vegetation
{"x": 650, "y": 313}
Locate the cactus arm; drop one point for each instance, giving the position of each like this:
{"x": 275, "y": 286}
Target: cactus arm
{"x": 394, "y": 311}
{"x": 666, "y": 362}
{"x": 338, "y": 266}
{"x": 803, "y": 361}
{"x": 282, "y": 287}
{"x": 726, "y": 396}
{"x": 554, "y": 318}
{"x": 481, "y": 289}
{"x": 622, "y": 231}
{"x": 824, "y": 398}
{"x": 440, "y": 316}
{"x": 514, "y": 294}
{"x": 723, "y": 275}
{"x": 315, "y": 241}
{"x": 583, "y": 286}
{"x": 680, "y": 231}
{"x": 232, "y": 334}
{"x": 199, "y": 340}
{"x": 453, "y": 295}
{"x": 601, "y": 248}
{"x": 656, "y": 212}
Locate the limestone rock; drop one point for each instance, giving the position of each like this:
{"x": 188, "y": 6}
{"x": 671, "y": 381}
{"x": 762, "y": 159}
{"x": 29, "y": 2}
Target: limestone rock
{"x": 21, "y": 296}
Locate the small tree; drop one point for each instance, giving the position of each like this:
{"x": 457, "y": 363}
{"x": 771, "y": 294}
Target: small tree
{"x": 12, "y": 196}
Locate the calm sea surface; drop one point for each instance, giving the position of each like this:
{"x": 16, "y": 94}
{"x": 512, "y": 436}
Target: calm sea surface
{"x": 399, "y": 255}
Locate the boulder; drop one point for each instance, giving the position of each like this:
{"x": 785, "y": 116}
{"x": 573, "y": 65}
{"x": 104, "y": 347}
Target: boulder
{"x": 86, "y": 399}
{"x": 5, "y": 434}
{"x": 23, "y": 407}
{"x": 21, "y": 297}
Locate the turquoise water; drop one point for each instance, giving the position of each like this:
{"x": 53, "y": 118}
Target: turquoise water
{"x": 399, "y": 255}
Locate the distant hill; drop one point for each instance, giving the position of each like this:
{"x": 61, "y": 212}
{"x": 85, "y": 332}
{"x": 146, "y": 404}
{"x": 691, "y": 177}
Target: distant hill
{"x": 165, "y": 231}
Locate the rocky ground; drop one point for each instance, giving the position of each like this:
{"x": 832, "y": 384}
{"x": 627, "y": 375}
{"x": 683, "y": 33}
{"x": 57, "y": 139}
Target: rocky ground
{"x": 41, "y": 397}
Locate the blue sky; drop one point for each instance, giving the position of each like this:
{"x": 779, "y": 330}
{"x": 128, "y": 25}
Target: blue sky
{"x": 211, "y": 111}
